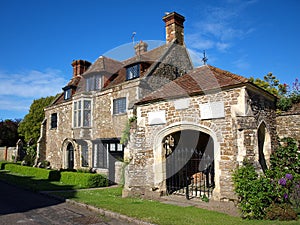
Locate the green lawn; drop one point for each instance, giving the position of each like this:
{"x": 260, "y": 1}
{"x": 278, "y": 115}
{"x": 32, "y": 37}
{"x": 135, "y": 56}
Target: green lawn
{"x": 156, "y": 212}
{"x": 151, "y": 211}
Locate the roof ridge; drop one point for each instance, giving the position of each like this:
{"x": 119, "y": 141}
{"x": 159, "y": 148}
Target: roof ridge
{"x": 228, "y": 74}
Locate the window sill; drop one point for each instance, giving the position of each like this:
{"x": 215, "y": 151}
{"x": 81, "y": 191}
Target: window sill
{"x": 120, "y": 114}
{"x": 76, "y": 128}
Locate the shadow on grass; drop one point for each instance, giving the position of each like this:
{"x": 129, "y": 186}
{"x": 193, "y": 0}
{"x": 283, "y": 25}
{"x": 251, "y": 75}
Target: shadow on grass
{"x": 18, "y": 193}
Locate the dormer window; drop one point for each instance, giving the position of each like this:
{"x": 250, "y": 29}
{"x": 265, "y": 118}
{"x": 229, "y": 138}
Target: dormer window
{"x": 67, "y": 93}
{"x": 93, "y": 83}
{"x": 133, "y": 72}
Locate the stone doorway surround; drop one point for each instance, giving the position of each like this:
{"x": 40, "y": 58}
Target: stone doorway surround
{"x": 159, "y": 166}
{"x": 65, "y": 153}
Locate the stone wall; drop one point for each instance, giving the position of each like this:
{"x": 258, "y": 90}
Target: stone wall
{"x": 7, "y": 153}
{"x": 288, "y": 125}
{"x": 234, "y": 136}
{"x": 145, "y": 171}
{"x": 56, "y": 136}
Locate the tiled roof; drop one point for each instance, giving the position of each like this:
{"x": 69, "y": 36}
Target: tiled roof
{"x": 106, "y": 64}
{"x": 150, "y": 57}
{"x": 198, "y": 81}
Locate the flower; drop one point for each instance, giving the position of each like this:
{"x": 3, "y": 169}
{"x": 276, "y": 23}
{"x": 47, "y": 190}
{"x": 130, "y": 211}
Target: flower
{"x": 282, "y": 181}
{"x": 285, "y": 196}
{"x": 289, "y": 176}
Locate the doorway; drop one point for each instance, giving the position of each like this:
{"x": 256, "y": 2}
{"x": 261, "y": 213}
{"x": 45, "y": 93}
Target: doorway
{"x": 70, "y": 156}
{"x": 189, "y": 163}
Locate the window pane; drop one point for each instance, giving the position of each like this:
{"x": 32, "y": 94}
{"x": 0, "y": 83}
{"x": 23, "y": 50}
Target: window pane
{"x": 87, "y": 104}
{"x": 54, "y": 120}
{"x": 119, "y": 105}
{"x": 98, "y": 83}
{"x": 100, "y": 156}
{"x": 84, "y": 156}
{"x": 112, "y": 147}
{"x": 79, "y": 118}
{"x": 120, "y": 147}
{"x": 133, "y": 72}
{"x": 87, "y": 118}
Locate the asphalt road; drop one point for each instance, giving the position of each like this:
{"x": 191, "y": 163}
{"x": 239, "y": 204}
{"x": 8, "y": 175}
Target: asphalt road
{"x": 19, "y": 206}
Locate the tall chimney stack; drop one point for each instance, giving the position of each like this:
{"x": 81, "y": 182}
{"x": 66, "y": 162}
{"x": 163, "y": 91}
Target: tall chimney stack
{"x": 174, "y": 27}
{"x": 80, "y": 66}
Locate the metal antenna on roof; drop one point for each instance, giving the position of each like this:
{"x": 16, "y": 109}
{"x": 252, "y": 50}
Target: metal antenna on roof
{"x": 132, "y": 37}
{"x": 204, "y": 59}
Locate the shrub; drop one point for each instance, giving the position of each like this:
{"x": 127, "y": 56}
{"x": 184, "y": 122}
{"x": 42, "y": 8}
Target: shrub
{"x": 84, "y": 180}
{"x": 30, "y": 156}
{"x": 282, "y": 211}
{"x": 277, "y": 190}
{"x": 3, "y": 163}
{"x": 255, "y": 193}
{"x": 33, "y": 171}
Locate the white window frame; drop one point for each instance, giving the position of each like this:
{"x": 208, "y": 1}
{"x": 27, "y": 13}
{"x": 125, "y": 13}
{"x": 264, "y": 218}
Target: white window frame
{"x": 79, "y": 114}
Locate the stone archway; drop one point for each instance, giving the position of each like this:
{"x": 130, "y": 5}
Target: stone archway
{"x": 70, "y": 156}
{"x": 264, "y": 146}
{"x": 69, "y": 147}
{"x": 191, "y": 141}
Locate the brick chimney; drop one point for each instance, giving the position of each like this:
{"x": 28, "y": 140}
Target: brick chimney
{"x": 174, "y": 27}
{"x": 80, "y": 66}
{"x": 140, "y": 48}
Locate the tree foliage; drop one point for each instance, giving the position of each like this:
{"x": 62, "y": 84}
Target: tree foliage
{"x": 271, "y": 84}
{"x": 286, "y": 96}
{"x": 29, "y": 127}
{"x": 9, "y": 132}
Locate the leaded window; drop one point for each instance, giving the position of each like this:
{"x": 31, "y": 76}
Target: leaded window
{"x": 93, "y": 83}
{"x": 133, "y": 72}
{"x": 100, "y": 156}
{"x": 119, "y": 106}
{"x": 82, "y": 113}
{"x": 84, "y": 156}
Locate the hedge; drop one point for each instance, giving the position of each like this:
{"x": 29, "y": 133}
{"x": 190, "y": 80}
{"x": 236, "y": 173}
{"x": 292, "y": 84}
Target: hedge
{"x": 39, "y": 173}
{"x": 3, "y": 163}
{"x": 77, "y": 179}
{"x": 84, "y": 180}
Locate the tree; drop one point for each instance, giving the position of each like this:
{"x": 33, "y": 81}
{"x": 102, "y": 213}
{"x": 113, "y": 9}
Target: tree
{"x": 286, "y": 96}
{"x": 29, "y": 127}
{"x": 9, "y": 132}
{"x": 271, "y": 84}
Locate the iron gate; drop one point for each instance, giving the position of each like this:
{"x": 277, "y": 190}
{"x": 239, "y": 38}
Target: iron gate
{"x": 189, "y": 172}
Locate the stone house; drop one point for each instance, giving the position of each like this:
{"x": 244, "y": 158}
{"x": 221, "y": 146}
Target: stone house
{"x": 83, "y": 126}
{"x": 191, "y": 126}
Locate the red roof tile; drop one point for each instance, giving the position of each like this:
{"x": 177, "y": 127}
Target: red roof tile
{"x": 198, "y": 81}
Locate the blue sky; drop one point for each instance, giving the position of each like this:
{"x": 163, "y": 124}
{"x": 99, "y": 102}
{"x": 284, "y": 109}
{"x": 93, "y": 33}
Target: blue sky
{"x": 39, "y": 39}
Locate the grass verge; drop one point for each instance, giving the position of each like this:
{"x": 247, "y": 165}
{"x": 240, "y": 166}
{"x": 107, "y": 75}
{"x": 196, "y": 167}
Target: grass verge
{"x": 157, "y": 212}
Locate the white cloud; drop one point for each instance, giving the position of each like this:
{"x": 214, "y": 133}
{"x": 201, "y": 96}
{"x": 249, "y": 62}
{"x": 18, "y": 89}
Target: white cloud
{"x": 18, "y": 90}
{"x": 31, "y": 84}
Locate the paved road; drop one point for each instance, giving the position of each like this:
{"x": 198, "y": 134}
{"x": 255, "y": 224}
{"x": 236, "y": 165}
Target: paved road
{"x": 18, "y": 206}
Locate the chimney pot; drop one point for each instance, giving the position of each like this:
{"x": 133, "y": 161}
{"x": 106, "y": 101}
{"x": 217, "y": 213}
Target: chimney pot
{"x": 140, "y": 48}
{"x": 174, "y": 27}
